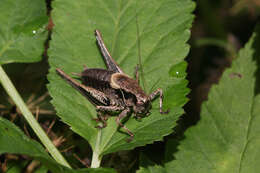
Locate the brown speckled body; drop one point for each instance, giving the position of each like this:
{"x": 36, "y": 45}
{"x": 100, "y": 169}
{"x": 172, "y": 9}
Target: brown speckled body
{"x": 112, "y": 90}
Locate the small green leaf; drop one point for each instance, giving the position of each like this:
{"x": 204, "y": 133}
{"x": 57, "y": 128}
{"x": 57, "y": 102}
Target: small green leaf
{"x": 162, "y": 27}
{"x": 227, "y": 138}
{"x": 22, "y": 30}
{"x": 12, "y": 140}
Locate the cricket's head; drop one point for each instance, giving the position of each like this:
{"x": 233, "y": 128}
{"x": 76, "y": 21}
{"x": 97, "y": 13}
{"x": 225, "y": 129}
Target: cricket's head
{"x": 142, "y": 106}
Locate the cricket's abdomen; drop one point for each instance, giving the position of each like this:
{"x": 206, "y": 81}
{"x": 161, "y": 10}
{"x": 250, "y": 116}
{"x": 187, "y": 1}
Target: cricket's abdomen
{"x": 99, "y": 79}
{"x": 96, "y": 78}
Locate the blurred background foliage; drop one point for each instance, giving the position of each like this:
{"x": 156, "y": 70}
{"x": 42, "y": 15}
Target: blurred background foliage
{"x": 219, "y": 30}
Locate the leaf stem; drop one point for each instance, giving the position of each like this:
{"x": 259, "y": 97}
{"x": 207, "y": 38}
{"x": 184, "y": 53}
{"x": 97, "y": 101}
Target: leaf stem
{"x": 12, "y": 92}
{"x": 96, "y": 159}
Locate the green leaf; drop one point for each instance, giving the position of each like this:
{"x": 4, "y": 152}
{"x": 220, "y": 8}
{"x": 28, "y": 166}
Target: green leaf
{"x": 161, "y": 28}
{"x": 227, "y": 138}
{"x": 22, "y": 30}
{"x": 12, "y": 140}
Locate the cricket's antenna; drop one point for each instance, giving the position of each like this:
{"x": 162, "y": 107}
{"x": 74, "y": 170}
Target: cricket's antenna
{"x": 139, "y": 52}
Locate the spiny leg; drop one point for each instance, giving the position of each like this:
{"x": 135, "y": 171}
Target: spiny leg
{"x": 110, "y": 62}
{"x": 109, "y": 108}
{"x": 154, "y": 94}
{"x": 88, "y": 92}
{"x": 101, "y": 112}
{"x": 122, "y": 115}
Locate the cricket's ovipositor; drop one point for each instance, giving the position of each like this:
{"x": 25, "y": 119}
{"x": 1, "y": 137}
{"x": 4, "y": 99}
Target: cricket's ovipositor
{"x": 111, "y": 90}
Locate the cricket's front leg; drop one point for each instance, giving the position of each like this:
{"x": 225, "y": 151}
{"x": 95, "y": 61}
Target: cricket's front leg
{"x": 154, "y": 94}
{"x": 122, "y": 115}
{"x": 101, "y": 118}
{"x": 101, "y": 110}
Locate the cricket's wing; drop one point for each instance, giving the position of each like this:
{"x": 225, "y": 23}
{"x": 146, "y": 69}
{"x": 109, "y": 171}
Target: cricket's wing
{"x": 110, "y": 62}
{"x": 125, "y": 83}
{"x": 94, "y": 96}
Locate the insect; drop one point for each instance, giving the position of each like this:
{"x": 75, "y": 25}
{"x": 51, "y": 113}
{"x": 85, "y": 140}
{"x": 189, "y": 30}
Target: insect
{"x": 111, "y": 90}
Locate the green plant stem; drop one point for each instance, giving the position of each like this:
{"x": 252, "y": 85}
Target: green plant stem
{"x": 96, "y": 158}
{"x": 12, "y": 92}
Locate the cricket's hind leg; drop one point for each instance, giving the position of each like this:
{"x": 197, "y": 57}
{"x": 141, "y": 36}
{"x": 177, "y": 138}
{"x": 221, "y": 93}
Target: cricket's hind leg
{"x": 110, "y": 62}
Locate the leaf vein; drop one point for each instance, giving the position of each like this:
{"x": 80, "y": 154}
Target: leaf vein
{"x": 107, "y": 9}
{"x": 247, "y": 137}
{"x": 216, "y": 124}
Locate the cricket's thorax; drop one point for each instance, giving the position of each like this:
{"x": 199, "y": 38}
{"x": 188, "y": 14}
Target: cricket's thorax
{"x": 124, "y": 82}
